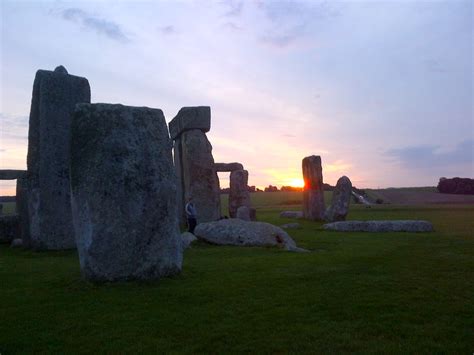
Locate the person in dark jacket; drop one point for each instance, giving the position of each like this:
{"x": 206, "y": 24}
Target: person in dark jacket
{"x": 191, "y": 214}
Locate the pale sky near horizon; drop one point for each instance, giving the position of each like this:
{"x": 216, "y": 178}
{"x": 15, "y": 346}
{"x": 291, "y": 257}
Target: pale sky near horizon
{"x": 382, "y": 90}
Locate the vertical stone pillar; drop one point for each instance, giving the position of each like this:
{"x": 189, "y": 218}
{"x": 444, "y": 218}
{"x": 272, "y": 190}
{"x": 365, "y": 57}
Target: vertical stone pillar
{"x": 239, "y": 193}
{"x": 55, "y": 95}
{"x": 194, "y": 163}
{"x": 22, "y": 209}
{"x": 313, "y": 192}
{"x": 341, "y": 198}
{"x": 124, "y": 193}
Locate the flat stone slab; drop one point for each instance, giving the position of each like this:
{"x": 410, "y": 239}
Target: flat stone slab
{"x": 228, "y": 167}
{"x": 237, "y": 232}
{"x": 8, "y": 174}
{"x": 291, "y": 214}
{"x": 188, "y": 118}
{"x": 380, "y": 226}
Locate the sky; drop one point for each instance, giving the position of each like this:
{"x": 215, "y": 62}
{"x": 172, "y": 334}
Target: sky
{"x": 382, "y": 90}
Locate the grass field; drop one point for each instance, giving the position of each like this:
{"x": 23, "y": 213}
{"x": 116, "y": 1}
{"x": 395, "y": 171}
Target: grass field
{"x": 355, "y": 292}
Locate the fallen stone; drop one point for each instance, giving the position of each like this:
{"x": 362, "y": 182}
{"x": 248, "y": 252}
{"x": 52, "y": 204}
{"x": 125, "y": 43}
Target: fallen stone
{"x": 341, "y": 198}
{"x": 291, "y": 226}
{"x": 313, "y": 192}
{"x": 124, "y": 193}
{"x": 235, "y": 231}
{"x": 243, "y": 213}
{"x": 381, "y": 226}
{"x": 196, "y": 176}
{"x": 16, "y": 243}
{"x": 239, "y": 192}
{"x": 291, "y": 214}
{"x": 187, "y": 239}
{"x": 224, "y": 167}
{"x": 55, "y": 95}
{"x": 9, "y": 227}
{"x": 190, "y": 118}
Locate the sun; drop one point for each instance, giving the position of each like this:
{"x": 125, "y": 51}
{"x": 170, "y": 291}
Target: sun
{"x": 297, "y": 182}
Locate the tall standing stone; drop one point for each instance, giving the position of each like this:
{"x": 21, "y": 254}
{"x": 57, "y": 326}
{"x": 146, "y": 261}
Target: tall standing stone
{"x": 341, "y": 197}
{"x": 239, "y": 192}
{"x": 313, "y": 193}
{"x": 55, "y": 95}
{"x": 194, "y": 163}
{"x": 124, "y": 193}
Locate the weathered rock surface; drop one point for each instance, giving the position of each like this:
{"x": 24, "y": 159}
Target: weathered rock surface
{"x": 291, "y": 226}
{"x": 243, "y": 213}
{"x": 190, "y": 118}
{"x": 196, "y": 176}
{"x": 313, "y": 193}
{"x": 341, "y": 199}
{"x": 187, "y": 239}
{"x": 253, "y": 213}
{"x": 55, "y": 95}
{"x": 124, "y": 193}
{"x": 9, "y": 228}
{"x": 291, "y": 214}
{"x": 380, "y": 226}
{"x": 239, "y": 192}
{"x": 235, "y": 231}
{"x": 7, "y": 174}
{"x": 224, "y": 167}
{"x": 16, "y": 243}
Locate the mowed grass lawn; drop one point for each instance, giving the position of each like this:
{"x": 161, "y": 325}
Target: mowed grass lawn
{"x": 355, "y": 292}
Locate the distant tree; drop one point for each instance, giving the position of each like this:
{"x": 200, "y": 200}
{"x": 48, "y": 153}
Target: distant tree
{"x": 271, "y": 188}
{"x": 459, "y": 186}
{"x": 251, "y": 188}
{"x": 291, "y": 188}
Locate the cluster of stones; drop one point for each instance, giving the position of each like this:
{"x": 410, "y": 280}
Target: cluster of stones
{"x": 313, "y": 194}
{"x": 100, "y": 178}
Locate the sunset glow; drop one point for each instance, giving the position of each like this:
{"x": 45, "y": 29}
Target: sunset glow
{"x": 280, "y": 78}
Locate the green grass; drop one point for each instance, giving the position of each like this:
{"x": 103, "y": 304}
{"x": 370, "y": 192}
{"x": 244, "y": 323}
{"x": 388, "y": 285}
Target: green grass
{"x": 355, "y": 292}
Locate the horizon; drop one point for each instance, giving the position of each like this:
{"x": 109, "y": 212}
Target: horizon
{"x": 382, "y": 91}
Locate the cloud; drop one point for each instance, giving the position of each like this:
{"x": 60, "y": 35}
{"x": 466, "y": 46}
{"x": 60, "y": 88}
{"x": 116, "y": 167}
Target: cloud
{"x": 430, "y": 157}
{"x": 102, "y": 26}
{"x": 289, "y": 21}
{"x": 232, "y": 26}
{"x": 235, "y": 7}
{"x": 167, "y": 30}
{"x": 13, "y": 128}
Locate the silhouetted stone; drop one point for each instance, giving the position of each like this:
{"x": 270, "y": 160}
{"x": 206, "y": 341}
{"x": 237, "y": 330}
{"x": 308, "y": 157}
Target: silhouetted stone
{"x": 55, "y": 95}
{"x": 9, "y": 228}
{"x": 239, "y": 193}
{"x": 313, "y": 193}
{"x": 16, "y": 243}
{"x": 124, "y": 193}
{"x": 243, "y": 213}
{"x": 190, "y": 118}
{"x": 22, "y": 209}
{"x": 8, "y": 174}
{"x": 341, "y": 198}
{"x": 224, "y": 167}
{"x": 380, "y": 226}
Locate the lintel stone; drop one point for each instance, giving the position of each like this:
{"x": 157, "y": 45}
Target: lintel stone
{"x": 188, "y": 118}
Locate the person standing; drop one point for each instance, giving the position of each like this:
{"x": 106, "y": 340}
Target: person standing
{"x": 191, "y": 214}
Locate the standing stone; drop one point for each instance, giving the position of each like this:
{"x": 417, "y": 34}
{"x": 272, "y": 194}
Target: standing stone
{"x": 239, "y": 193}
{"x": 124, "y": 193}
{"x": 341, "y": 198}
{"x": 194, "y": 163}
{"x": 313, "y": 193}
{"x": 55, "y": 95}
{"x": 243, "y": 213}
{"x": 22, "y": 209}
